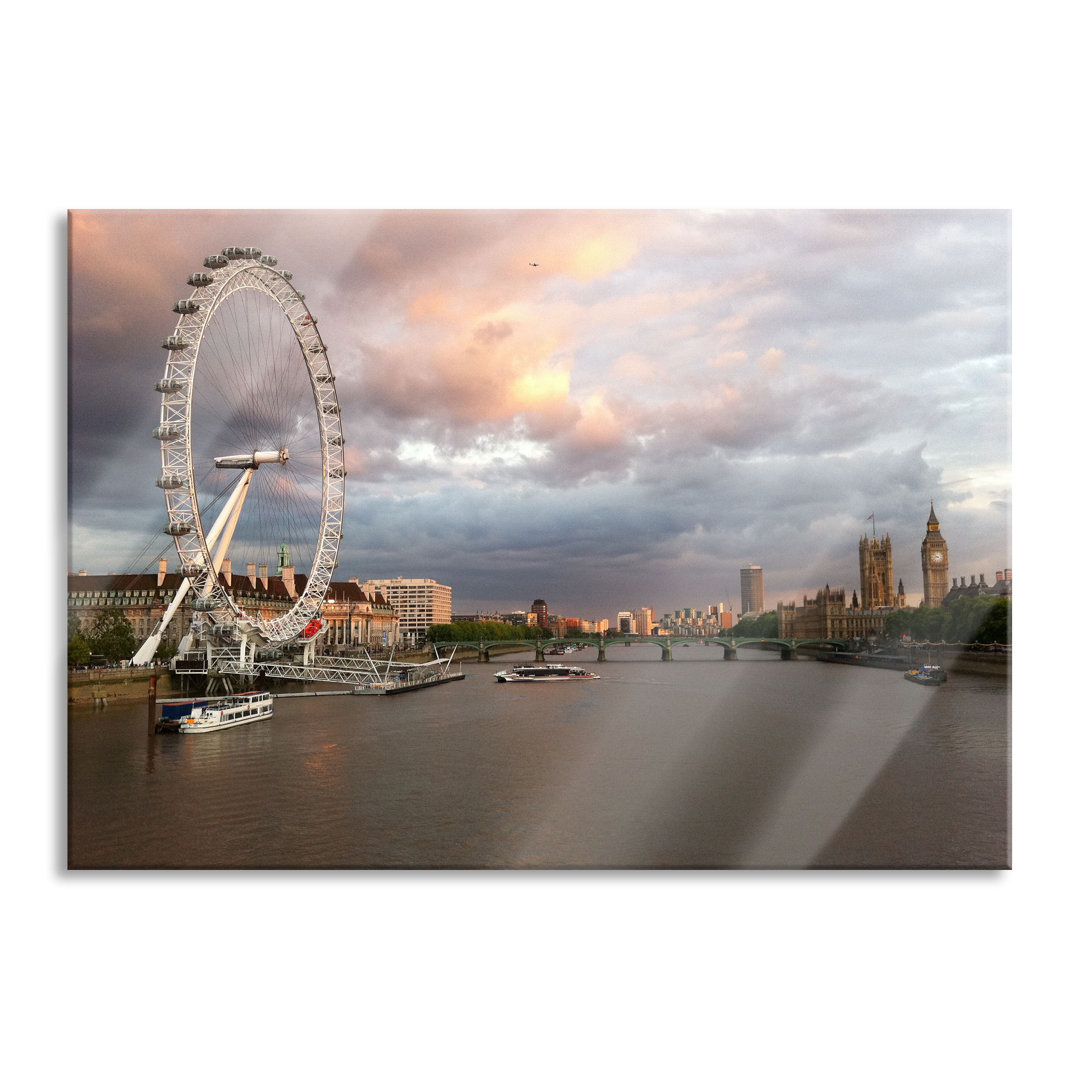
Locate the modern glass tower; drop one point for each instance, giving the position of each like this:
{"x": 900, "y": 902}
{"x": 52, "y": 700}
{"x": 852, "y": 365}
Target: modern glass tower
{"x": 753, "y": 589}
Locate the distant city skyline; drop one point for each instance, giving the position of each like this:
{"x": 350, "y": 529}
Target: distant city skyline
{"x": 663, "y": 399}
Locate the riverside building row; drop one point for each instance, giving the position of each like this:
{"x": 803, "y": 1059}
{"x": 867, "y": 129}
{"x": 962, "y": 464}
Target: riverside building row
{"x": 558, "y": 625}
{"x": 694, "y": 622}
{"x": 356, "y": 616}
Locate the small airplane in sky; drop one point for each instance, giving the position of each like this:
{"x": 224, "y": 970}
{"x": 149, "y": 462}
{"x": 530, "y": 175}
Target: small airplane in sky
{"x": 534, "y": 264}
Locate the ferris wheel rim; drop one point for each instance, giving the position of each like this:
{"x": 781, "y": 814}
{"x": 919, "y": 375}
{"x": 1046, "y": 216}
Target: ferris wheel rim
{"x": 237, "y": 269}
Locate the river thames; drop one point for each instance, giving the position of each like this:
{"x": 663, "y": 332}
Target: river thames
{"x": 694, "y": 763}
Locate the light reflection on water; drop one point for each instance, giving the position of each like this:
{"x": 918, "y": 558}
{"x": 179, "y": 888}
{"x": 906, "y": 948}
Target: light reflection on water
{"x": 694, "y": 763}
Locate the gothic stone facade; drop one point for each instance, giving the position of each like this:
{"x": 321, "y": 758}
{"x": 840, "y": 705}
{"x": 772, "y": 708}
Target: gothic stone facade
{"x": 828, "y": 616}
{"x": 876, "y": 574}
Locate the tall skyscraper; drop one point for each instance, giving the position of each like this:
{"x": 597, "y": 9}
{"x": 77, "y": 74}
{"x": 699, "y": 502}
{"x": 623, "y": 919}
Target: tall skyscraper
{"x": 539, "y": 609}
{"x": 753, "y": 589}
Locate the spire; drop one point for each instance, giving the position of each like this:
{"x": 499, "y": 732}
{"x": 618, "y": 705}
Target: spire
{"x": 932, "y": 521}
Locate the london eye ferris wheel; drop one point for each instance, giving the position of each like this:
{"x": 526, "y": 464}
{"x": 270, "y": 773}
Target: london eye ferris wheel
{"x": 252, "y": 453}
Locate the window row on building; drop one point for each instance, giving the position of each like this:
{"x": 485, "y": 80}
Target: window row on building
{"x": 354, "y": 617}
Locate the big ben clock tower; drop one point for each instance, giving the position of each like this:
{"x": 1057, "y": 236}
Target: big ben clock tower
{"x": 935, "y": 563}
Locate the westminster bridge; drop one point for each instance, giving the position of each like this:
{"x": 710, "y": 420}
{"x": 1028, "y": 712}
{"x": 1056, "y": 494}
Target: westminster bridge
{"x": 786, "y": 647}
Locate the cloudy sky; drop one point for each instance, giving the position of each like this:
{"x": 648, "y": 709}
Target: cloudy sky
{"x": 667, "y": 396}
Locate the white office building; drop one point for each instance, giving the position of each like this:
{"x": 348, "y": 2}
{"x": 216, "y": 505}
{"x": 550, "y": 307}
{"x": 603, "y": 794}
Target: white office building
{"x": 419, "y": 603}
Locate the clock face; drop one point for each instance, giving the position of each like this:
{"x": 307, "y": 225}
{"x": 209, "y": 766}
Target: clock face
{"x": 937, "y": 556}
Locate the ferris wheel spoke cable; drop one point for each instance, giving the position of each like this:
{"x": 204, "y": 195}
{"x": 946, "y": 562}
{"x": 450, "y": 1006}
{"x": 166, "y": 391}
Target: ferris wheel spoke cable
{"x": 285, "y": 508}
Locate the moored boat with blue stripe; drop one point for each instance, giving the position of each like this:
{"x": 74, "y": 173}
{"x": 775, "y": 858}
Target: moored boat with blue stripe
{"x": 213, "y": 714}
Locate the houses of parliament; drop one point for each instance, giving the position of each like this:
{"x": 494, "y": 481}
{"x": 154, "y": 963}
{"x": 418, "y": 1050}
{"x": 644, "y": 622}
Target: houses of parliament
{"x": 828, "y": 615}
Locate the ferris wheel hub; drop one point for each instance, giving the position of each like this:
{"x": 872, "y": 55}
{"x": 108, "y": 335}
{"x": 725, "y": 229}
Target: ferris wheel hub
{"x": 253, "y": 461}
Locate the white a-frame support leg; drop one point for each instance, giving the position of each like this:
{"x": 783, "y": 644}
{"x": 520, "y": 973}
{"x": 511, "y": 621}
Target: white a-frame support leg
{"x": 226, "y": 522}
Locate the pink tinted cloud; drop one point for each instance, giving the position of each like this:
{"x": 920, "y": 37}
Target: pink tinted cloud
{"x": 480, "y": 343}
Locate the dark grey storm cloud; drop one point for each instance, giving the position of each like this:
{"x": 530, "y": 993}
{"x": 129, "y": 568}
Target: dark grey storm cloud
{"x": 666, "y": 397}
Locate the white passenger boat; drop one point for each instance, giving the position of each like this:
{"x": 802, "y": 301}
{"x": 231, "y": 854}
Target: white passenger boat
{"x": 213, "y": 714}
{"x": 544, "y": 673}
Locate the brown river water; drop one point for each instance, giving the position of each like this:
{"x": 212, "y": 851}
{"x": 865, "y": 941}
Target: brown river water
{"x": 696, "y": 763}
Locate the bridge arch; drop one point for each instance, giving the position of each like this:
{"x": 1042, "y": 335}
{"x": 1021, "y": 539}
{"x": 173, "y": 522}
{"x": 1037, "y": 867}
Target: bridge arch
{"x": 637, "y": 639}
{"x": 482, "y": 648}
{"x": 836, "y": 645}
{"x": 587, "y": 643}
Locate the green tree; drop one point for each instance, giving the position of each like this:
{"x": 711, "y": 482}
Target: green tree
{"x": 764, "y": 625}
{"x": 165, "y": 651}
{"x": 996, "y": 625}
{"x": 78, "y": 650}
{"x": 112, "y": 636}
{"x": 982, "y": 620}
{"x": 78, "y": 647}
{"x": 928, "y": 624}
{"x": 965, "y": 616}
{"x": 485, "y": 630}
